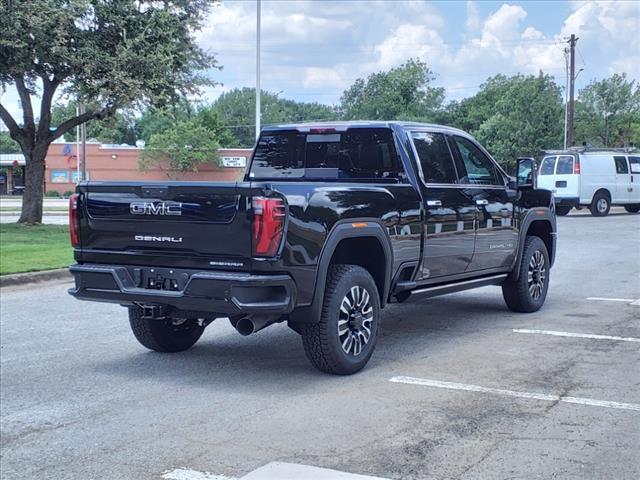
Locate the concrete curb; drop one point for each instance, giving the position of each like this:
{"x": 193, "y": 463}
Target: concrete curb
{"x": 34, "y": 277}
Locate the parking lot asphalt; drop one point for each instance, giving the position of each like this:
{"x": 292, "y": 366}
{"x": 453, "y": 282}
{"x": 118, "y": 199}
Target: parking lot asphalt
{"x": 470, "y": 397}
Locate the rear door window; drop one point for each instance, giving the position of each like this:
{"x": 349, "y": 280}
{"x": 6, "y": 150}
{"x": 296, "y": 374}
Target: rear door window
{"x": 621, "y": 165}
{"x": 565, "y": 165}
{"x": 435, "y": 158}
{"x": 634, "y": 163}
{"x": 548, "y": 166}
{"x": 356, "y": 153}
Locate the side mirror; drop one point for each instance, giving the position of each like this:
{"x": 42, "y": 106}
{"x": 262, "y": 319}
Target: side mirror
{"x": 526, "y": 172}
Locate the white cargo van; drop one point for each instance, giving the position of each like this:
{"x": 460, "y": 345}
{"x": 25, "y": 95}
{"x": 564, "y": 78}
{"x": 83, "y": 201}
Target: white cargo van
{"x": 594, "y": 178}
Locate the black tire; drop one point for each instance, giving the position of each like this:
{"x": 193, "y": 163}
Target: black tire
{"x": 632, "y": 208}
{"x": 562, "y": 211}
{"x": 164, "y": 335}
{"x": 600, "y": 205}
{"x": 332, "y": 345}
{"x": 522, "y": 295}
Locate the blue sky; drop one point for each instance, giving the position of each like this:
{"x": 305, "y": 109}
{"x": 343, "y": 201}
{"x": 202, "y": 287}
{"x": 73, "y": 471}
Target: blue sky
{"x": 313, "y": 50}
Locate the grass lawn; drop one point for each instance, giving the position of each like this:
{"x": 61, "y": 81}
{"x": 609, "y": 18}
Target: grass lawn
{"x": 27, "y": 249}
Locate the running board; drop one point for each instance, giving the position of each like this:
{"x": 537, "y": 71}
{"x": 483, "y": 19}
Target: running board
{"x": 427, "y": 292}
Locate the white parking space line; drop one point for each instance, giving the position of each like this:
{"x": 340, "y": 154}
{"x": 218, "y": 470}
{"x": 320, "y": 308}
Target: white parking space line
{"x": 576, "y": 335}
{"x": 603, "y": 299}
{"x": 272, "y": 471}
{"x": 511, "y": 393}
{"x": 188, "y": 474}
{"x": 294, "y": 471}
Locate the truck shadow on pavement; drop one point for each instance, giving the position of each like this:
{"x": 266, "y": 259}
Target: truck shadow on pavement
{"x": 274, "y": 357}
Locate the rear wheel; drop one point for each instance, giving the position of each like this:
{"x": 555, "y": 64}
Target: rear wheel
{"x": 562, "y": 211}
{"x": 343, "y": 341}
{"x": 600, "y": 205}
{"x": 165, "y": 335}
{"x": 528, "y": 293}
{"x": 632, "y": 208}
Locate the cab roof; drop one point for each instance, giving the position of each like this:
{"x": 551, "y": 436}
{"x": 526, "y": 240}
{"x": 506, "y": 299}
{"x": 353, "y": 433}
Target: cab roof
{"x": 345, "y": 125}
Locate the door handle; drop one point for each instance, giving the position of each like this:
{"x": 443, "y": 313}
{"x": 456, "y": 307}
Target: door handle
{"x": 482, "y": 202}
{"x": 434, "y": 203}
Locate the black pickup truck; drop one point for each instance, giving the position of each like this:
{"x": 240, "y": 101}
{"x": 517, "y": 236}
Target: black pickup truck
{"x": 331, "y": 223}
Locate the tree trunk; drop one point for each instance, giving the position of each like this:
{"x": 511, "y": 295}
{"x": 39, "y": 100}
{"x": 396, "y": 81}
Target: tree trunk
{"x": 33, "y": 185}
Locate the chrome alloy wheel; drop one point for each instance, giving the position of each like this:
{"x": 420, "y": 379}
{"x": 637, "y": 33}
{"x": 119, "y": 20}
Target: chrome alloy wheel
{"x": 354, "y": 321}
{"x": 536, "y": 274}
{"x": 602, "y": 205}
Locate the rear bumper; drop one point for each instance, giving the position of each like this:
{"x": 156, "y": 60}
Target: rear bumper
{"x": 566, "y": 201}
{"x": 214, "y": 292}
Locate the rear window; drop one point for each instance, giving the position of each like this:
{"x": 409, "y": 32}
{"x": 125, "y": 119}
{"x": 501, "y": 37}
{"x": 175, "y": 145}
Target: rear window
{"x": 548, "y": 166}
{"x": 565, "y": 165}
{"x": 356, "y": 153}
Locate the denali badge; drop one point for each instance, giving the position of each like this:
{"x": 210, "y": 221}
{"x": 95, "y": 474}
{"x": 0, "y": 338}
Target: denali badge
{"x": 154, "y": 238}
{"x": 155, "y": 208}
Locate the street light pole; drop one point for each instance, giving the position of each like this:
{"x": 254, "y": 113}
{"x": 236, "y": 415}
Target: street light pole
{"x": 258, "y": 90}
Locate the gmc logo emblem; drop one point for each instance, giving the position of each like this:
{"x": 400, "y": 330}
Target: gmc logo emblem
{"x": 155, "y": 208}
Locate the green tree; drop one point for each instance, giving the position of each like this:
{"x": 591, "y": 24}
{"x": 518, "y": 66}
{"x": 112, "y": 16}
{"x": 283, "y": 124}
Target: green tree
{"x": 403, "y": 93}
{"x": 7, "y": 144}
{"x": 608, "y": 112}
{"x": 118, "y": 128}
{"x": 513, "y": 116}
{"x": 110, "y": 55}
{"x": 236, "y": 110}
{"x": 181, "y": 148}
{"x": 158, "y": 119}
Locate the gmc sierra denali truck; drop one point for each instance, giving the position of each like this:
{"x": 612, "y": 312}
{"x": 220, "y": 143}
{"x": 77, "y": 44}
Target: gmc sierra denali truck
{"x": 330, "y": 224}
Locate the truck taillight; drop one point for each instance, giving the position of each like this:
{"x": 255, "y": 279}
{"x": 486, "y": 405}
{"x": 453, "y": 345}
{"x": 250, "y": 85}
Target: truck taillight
{"x": 268, "y": 225}
{"x": 576, "y": 166}
{"x": 74, "y": 222}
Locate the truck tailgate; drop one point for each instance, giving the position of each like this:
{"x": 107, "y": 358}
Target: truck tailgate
{"x": 204, "y": 222}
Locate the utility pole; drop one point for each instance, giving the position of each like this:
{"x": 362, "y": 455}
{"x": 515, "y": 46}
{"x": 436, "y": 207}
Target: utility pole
{"x": 258, "y": 90}
{"x": 566, "y": 94}
{"x": 572, "y": 76}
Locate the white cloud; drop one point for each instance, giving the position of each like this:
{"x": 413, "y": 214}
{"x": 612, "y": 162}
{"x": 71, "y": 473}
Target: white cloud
{"x": 313, "y": 50}
{"x": 472, "y": 23}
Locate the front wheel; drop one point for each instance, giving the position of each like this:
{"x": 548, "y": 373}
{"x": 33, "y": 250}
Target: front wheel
{"x": 343, "y": 341}
{"x": 562, "y": 211}
{"x": 632, "y": 208}
{"x": 528, "y": 293}
{"x": 165, "y": 335}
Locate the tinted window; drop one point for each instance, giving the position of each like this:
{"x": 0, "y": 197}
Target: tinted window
{"x": 634, "y": 163}
{"x": 621, "y": 165}
{"x": 280, "y": 155}
{"x": 435, "y": 158}
{"x": 548, "y": 165}
{"x": 565, "y": 165}
{"x": 356, "y": 153}
{"x": 479, "y": 168}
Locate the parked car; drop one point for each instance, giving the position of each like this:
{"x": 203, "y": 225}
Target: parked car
{"x": 593, "y": 178}
{"x": 331, "y": 223}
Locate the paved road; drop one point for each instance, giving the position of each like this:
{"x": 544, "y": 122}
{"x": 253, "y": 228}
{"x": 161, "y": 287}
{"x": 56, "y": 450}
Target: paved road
{"x": 81, "y": 399}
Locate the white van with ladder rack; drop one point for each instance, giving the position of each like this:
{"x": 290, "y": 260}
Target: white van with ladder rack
{"x": 596, "y": 178}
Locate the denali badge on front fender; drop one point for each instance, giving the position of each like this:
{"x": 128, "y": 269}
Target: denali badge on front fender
{"x": 154, "y": 238}
{"x": 155, "y": 208}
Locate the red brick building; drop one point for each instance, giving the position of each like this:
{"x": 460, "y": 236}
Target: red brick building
{"x": 120, "y": 162}
{"x": 113, "y": 162}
